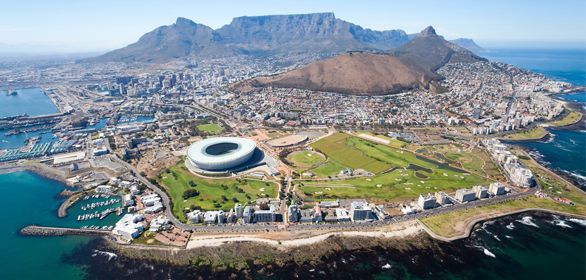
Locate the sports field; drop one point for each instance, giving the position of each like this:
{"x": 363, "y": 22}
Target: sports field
{"x": 303, "y": 160}
{"x": 398, "y": 175}
{"x": 210, "y": 128}
{"x": 213, "y": 193}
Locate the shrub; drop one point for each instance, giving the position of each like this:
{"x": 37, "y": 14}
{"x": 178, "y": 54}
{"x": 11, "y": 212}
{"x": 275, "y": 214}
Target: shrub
{"x": 190, "y": 193}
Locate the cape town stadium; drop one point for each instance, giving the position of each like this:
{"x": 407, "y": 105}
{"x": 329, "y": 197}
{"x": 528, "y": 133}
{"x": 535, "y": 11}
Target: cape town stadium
{"x": 220, "y": 153}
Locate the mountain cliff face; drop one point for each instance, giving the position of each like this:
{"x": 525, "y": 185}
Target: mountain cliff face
{"x": 260, "y": 35}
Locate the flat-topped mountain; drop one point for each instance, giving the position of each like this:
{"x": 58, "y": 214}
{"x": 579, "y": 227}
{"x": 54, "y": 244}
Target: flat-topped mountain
{"x": 411, "y": 66}
{"x": 257, "y": 36}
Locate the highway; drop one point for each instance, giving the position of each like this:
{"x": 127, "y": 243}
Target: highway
{"x": 266, "y": 227}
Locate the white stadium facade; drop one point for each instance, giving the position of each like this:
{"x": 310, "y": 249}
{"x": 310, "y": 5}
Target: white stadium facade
{"x": 220, "y": 154}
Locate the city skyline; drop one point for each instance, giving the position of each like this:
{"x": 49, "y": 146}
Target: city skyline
{"x": 513, "y": 23}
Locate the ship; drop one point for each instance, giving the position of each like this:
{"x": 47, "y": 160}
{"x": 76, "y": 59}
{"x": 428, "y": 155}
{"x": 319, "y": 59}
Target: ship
{"x": 10, "y": 92}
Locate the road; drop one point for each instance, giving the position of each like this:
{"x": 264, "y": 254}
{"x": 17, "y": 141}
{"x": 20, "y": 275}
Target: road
{"x": 266, "y": 227}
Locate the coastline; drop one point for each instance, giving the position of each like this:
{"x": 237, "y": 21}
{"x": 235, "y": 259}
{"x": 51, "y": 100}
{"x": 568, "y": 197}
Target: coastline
{"x": 44, "y": 171}
{"x": 249, "y": 259}
{"x": 489, "y": 217}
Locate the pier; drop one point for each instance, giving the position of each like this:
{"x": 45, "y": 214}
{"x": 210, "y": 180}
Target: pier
{"x": 33, "y": 230}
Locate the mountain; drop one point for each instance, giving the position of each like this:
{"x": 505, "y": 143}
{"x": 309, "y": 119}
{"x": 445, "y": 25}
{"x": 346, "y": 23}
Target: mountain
{"x": 411, "y": 66}
{"x": 431, "y": 51}
{"x": 468, "y": 44}
{"x": 353, "y": 73}
{"x": 259, "y": 35}
{"x": 165, "y": 43}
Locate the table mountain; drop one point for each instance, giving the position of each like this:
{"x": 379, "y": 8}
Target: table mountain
{"x": 259, "y": 35}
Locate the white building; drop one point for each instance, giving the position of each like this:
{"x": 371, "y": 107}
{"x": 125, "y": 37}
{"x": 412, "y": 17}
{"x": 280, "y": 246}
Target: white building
{"x": 342, "y": 215}
{"x": 104, "y": 189}
{"x": 464, "y": 195}
{"x": 195, "y": 216}
{"x": 496, "y": 188}
{"x": 129, "y": 227}
{"x": 156, "y": 207}
{"x": 481, "y": 192}
{"x": 442, "y": 198}
{"x": 127, "y": 200}
{"x": 360, "y": 211}
{"x": 426, "y": 202}
{"x": 159, "y": 223}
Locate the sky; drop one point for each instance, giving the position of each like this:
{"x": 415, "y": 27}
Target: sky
{"x": 95, "y": 26}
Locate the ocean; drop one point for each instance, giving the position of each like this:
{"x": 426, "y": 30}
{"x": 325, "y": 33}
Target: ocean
{"x": 525, "y": 246}
{"x": 31, "y": 101}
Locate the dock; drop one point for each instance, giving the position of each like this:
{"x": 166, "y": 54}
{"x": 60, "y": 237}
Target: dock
{"x": 33, "y": 230}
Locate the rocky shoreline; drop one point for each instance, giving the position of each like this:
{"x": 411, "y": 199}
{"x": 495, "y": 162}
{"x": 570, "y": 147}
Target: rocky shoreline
{"x": 337, "y": 257}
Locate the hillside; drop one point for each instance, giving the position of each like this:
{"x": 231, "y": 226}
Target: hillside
{"x": 431, "y": 51}
{"x": 258, "y": 36}
{"x": 354, "y": 73}
{"x": 410, "y": 66}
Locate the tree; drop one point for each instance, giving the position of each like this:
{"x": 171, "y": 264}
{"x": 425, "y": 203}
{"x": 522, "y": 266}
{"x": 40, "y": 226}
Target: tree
{"x": 224, "y": 198}
{"x": 190, "y": 193}
{"x": 264, "y": 206}
{"x": 235, "y": 200}
{"x": 192, "y": 184}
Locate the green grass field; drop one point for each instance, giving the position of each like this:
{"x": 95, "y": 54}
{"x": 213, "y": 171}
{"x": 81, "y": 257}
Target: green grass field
{"x": 411, "y": 175}
{"x": 452, "y": 223}
{"x": 346, "y": 150}
{"x": 475, "y": 160}
{"x": 176, "y": 181}
{"x": 304, "y": 160}
{"x": 330, "y": 168}
{"x": 537, "y": 132}
{"x": 571, "y": 118}
{"x": 210, "y": 128}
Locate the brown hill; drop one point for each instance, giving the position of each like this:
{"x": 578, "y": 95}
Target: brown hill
{"x": 411, "y": 66}
{"x": 352, "y": 73}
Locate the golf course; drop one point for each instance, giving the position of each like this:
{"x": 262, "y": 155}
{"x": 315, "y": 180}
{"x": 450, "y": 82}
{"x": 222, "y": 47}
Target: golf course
{"x": 398, "y": 174}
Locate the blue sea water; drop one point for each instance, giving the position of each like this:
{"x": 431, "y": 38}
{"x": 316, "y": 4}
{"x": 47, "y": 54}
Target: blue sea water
{"x": 30, "y": 101}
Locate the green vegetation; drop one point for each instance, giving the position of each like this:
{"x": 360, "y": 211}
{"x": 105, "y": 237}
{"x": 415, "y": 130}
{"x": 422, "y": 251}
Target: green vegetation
{"x": 305, "y": 159}
{"x": 213, "y": 193}
{"x": 406, "y": 175}
{"x": 346, "y": 150}
{"x": 210, "y": 128}
{"x": 453, "y": 223}
{"x": 328, "y": 169}
{"x": 395, "y": 143}
{"x": 474, "y": 160}
{"x": 537, "y": 132}
{"x": 551, "y": 183}
{"x": 571, "y": 118}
